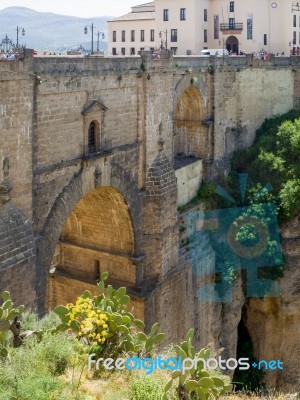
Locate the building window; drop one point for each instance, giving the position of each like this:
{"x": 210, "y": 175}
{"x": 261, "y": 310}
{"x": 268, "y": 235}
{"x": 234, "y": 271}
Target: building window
{"x": 294, "y": 37}
{"x": 92, "y": 138}
{"x": 132, "y": 51}
{"x": 114, "y": 36}
{"x": 142, "y": 35}
{"x": 205, "y": 36}
{"x": 123, "y": 36}
{"x": 174, "y": 50}
{"x": 182, "y": 14}
{"x": 123, "y": 51}
{"x": 132, "y": 36}
{"x": 205, "y": 14}
{"x": 173, "y": 35}
{"x": 265, "y": 39}
{"x": 249, "y": 26}
{"x": 152, "y": 35}
{"x": 294, "y": 21}
{"x": 152, "y": 49}
{"x": 142, "y": 48}
{"x": 216, "y": 26}
{"x": 114, "y": 51}
{"x": 231, "y": 23}
{"x": 166, "y": 14}
{"x": 231, "y": 6}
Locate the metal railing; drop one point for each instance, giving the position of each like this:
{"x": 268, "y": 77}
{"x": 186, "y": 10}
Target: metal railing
{"x": 231, "y": 27}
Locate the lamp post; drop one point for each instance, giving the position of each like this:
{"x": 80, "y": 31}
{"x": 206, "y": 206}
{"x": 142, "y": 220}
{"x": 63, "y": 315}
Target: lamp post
{"x": 98, "y": 34}
{"x": 161, "y": 40}
{"x": 19, "y": 28}
{"x": 92, "y": 30}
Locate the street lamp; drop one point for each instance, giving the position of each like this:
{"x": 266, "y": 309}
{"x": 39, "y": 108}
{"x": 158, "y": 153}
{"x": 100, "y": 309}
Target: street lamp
{"x": 161, "y": 43}
{"x": 98, "y": 36}
{"x": 92, "y": 30}
{"x": 19, "y": 28}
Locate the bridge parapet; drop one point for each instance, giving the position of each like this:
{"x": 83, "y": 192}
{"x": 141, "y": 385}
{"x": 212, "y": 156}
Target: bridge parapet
{"x": 147, "y": 60}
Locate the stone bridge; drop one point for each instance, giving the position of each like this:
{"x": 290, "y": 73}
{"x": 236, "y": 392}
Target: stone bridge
{"x": 96, "y": 156}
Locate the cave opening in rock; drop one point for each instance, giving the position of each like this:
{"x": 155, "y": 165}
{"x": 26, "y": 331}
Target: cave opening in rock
{"x": 251, "y": 379}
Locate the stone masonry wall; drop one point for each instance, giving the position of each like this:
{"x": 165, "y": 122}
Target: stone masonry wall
{"x": 46, "y": 106}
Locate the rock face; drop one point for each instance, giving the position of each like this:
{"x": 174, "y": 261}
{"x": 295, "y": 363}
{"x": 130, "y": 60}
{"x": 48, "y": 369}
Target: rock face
{"x": 274, "y": 323}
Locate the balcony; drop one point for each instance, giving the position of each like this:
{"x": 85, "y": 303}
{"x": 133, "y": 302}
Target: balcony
{"x": 231, "y": 27}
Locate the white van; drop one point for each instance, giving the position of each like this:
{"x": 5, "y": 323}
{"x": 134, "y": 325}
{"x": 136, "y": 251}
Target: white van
{"x": 214, "y": 52}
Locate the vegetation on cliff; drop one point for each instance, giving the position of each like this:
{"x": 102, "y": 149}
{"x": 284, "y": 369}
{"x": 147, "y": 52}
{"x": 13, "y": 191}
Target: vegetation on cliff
{"x": 274, "y": 159}
{"x": 53, "y": 361}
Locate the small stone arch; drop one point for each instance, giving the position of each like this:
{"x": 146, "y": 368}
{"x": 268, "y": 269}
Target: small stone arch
{"x": 190, "y": 131}
{"x": 232, "y": 44}
{"x": 93, "y": 124}
{"x": 93, "y": 138}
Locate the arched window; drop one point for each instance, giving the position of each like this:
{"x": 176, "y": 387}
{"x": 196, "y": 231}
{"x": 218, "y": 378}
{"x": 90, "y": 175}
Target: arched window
{"x": 92, "y": 138}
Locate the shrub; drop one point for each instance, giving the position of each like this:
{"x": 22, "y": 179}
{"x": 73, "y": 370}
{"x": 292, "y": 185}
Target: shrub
{"x": 103, "y": 323}
{"x": 274, "y": 158}
{"x": 147, "y": 387}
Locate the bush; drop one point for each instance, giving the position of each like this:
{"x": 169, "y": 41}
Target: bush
{"x": 147, "y": 387}
{"x": 274, "y": 158}
{"x": 103, "y": 323}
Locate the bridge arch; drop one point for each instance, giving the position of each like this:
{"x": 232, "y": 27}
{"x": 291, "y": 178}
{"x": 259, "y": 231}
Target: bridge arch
{"x": 89, "y": 230}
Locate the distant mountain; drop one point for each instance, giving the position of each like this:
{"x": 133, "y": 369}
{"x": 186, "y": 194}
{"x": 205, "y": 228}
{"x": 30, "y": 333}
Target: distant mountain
{"x": 48, "y": 31}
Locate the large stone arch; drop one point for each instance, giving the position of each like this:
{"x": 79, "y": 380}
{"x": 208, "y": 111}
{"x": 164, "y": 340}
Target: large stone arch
{"x": 190, "y": 117}
{"x": 120, "y": 188}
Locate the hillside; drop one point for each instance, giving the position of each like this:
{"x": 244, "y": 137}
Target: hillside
{"x": 50, "y": 31}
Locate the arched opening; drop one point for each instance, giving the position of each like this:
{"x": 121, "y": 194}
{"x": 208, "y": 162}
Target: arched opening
{"x": 232, "y": 45}
{"x": 97, "y": 236}
{"x": 93, "y": 137}
{"x": 189, "y": 126}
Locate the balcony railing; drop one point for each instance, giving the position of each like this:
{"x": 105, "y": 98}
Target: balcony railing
{"x": 231, "y": 27}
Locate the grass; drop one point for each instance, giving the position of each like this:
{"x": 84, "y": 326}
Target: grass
{"x": 55, "y": 368}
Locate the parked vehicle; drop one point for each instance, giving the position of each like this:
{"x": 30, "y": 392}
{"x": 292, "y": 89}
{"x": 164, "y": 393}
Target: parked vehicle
{"x": 214, "y": 52}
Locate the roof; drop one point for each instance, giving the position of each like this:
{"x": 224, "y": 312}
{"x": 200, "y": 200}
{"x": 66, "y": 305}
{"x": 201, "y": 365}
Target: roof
{"x": 150, "y": 4}
{"x": 133, "y": 16}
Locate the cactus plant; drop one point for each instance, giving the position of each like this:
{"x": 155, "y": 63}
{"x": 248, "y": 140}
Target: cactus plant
{"x": 104, "y": 324}
{"x": 197, "y": 382}
{"x": 9, "y": 321}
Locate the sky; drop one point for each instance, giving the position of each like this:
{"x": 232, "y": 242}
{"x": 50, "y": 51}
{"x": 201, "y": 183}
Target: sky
{"x": 78, "y": 8}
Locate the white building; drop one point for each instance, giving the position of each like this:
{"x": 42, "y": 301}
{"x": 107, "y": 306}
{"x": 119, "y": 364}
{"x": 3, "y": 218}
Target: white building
{"x": 189, "y": 26}
{"x": 133, "y": 32}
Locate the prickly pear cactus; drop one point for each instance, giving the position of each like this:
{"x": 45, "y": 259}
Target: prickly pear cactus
{"x": 104, "y": 324}
{"x": 8, "y": 320}
{"x": 197, "y": 383}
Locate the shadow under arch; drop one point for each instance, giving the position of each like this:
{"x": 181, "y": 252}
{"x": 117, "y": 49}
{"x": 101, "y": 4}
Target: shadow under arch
{"x": 72, "y": 222}
{"x": 190, "y": 131}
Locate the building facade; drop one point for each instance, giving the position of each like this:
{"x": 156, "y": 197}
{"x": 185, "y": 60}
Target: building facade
{"x": 133, "y": 32}
{"x": 189, "y": 26}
